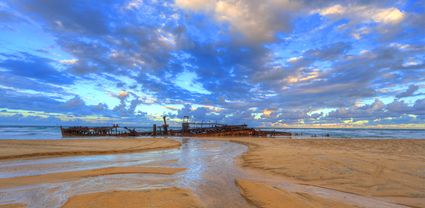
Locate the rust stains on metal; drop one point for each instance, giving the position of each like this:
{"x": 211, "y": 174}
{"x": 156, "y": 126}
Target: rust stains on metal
{"x": 197, "y": 129}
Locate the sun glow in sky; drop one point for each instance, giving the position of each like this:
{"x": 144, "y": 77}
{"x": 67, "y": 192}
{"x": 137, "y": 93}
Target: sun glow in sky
{"x": 265, "y": 63}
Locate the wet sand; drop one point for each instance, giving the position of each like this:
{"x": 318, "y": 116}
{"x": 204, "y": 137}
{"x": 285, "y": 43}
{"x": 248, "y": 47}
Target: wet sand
{"x": 74, "y": 175}
{"x": 169, "y": 197}
{"x": 268, "y": 172}
{"x": 266, "y": 196}
{"x": 209, "y": 174}
{"x": 393, "y": 170}
{"x": 24, "y": 149}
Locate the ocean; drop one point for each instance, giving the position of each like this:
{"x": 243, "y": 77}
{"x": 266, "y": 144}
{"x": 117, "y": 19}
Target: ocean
{"x": 53, "y": 132}
{"x": 360, "y": 133}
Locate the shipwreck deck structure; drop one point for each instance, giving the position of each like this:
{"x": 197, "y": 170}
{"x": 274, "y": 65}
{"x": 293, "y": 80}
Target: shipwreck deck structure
{"x": 189, "y": 129}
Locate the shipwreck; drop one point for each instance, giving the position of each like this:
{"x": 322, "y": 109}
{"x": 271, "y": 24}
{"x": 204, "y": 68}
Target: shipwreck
{"x": 195, "y": 129}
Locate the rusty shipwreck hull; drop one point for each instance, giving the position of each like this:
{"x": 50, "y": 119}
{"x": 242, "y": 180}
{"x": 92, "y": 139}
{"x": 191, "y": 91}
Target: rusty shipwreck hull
{"x": 241, "y": 133}
{"x": 188, "y": 129}
{"x": 82, "y": 131}
{"x": 231, "y": 130}
{"x": 197, "y": 132}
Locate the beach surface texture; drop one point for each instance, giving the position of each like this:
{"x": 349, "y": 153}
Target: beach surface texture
{"x": 207, "y": 172}
{"x": 160, "y": 198}
{"x": 390, "y": 169}
{"x": 267, "y": 196}
{"x": 74, "y": 175}
{"x": 24, "y": 149}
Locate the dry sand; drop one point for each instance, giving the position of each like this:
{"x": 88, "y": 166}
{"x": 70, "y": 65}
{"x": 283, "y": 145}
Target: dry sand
{"x": 160, "y": 198}
{"x": 266, "y": 196}
{"x": 23, "y": 149}
{"x": 74, "y": 175}
{"x": 392, "y": 169}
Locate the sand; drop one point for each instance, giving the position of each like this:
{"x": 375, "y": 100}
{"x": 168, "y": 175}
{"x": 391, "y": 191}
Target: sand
{"x": 12, "y": 206}
{"x": 391, "y": 169}
{"x": 74, "y": 175}
{"x": 25, "y": 149}
{"x": 266, "y": 196}
{"x": 159, "y": 198}
{"x": 34, "y": 149}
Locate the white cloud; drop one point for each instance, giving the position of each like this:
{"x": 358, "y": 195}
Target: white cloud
{"x": 302, "y": 77}
{"x": 332, "y": 10}
{"x": 259, "y": 22}
{"x": 195, "y": 4}
{"x": 68, "y": 61}
{"x": 390, "y": 15}
{"x": 255, "y": 21}
{"x": 294, "y": 59}
{"x": 401, "y": 46}
{"x": 360, "y": 32}
{"x": 411, "y": 62}
{"x": 267, "y": 113}
{"x": 166, "y": 38}
{"x": 122, "y": 94}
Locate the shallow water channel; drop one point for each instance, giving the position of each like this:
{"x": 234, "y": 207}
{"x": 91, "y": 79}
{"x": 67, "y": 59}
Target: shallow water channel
{"x": 210, "y": 173}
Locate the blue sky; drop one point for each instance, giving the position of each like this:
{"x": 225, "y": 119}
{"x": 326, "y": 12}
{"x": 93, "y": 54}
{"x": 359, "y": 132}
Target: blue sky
{"x": 276, "y": 63}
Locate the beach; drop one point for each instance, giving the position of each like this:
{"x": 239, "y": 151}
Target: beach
{"x": 169, "y": 197}
{"x": 212, "y": 172}
{"x": 392, "y": 170}
{"x": 24, "y": 149}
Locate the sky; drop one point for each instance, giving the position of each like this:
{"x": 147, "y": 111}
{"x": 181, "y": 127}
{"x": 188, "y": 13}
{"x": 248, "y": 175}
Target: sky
{"x": 273, "y": 63}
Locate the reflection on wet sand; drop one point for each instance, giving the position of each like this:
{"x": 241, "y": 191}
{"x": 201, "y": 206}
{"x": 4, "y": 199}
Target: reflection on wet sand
{"x": 210, "y": 174}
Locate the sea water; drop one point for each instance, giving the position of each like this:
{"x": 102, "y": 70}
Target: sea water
{"x": 53, "y": 132}
{"x": 360, "y": 133}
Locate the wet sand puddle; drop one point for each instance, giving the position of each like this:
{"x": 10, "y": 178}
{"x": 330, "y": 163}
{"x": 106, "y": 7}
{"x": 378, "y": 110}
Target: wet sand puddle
{"x": 210, "y": 173}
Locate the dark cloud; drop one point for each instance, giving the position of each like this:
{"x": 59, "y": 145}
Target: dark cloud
{"x": 35, "y": 67}
{"x": 75, "y": 16}
{"x": 328, "y": 52}
{"x": 378, "y": 112}
{"x": 18, "y": 82}
{"x": 72, "y": 109}
{"x": 409, "y": 92}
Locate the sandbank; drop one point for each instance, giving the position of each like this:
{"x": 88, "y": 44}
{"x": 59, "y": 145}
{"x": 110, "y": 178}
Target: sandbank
{"x": 74, "y": 175}
{"x": 25, "y": 149}
{"x": 159, "y": 198}
{"x": 266, "y": 196}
